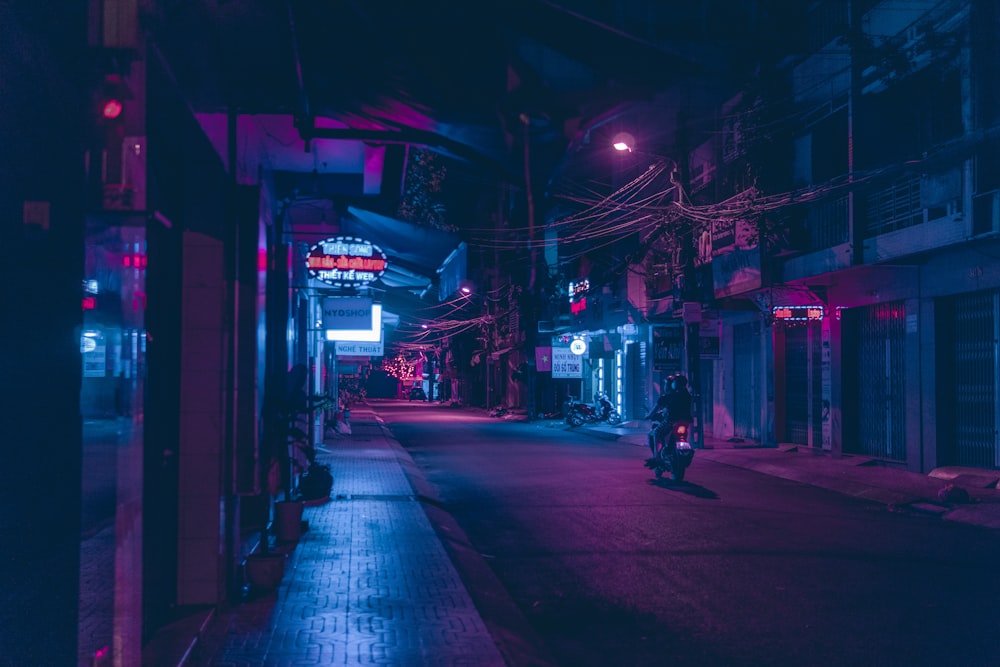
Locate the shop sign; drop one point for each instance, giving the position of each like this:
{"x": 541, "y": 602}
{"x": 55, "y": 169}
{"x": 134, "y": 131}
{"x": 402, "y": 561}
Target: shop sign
{"x": 578, "y": 289}
{"x": 797, "y": 313}
{"x": 356, "y": 349}
{"x": 578, "y": 296}
{"x": 709, "y": 339}
{"x": 370, "y": 335}
{"x": 95, "y": 359}
{"x": 347, "y": 312}
{"x": 668, "y": 347}
{"x": 736, "y": 272}
{"x": 578, "y": 347}
{"x": 345, "y": 261}
{"x": 565, "y": 364}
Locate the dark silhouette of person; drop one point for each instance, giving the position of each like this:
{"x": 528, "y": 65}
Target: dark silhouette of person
{"x": 673, "y": 405}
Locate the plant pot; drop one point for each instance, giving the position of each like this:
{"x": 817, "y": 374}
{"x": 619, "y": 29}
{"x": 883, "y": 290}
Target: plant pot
{"x": 288, "y": 520}
{"x": 264, "y": 571}
{"x": 315, "y": 483}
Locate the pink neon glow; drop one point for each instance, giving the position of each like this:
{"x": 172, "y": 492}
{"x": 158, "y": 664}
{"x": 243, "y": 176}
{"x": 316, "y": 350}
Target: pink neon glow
{"x": 112, "y": 109}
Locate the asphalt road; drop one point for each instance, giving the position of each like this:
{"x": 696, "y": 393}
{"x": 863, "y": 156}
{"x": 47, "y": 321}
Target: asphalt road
{"x": 730, "y": 567}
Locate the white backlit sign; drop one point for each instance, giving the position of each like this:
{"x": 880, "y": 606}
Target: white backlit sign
{"x": 370, "y": 335}
{"x": 347, "y": 312}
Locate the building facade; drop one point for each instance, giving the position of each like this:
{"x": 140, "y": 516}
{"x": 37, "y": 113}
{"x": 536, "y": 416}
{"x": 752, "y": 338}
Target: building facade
{"x": 859, "y": 312}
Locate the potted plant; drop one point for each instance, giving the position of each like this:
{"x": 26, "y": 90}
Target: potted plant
{"x": 305, "y": 480}
{"x": 264, "y": 568}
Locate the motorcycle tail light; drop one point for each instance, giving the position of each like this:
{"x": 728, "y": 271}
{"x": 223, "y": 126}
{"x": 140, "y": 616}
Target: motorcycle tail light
{"x": 681, "y": 430}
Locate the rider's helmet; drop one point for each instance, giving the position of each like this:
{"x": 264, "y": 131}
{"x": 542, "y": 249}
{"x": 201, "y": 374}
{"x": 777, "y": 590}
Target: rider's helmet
{"x": 678, "y": 383}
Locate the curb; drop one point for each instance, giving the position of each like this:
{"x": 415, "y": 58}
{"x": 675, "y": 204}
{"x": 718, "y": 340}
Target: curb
{"x": 515, "y": 639}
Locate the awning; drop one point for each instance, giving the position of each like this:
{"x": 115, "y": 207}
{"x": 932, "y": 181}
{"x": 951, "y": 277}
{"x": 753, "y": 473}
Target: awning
{"x": 415, "y": 253}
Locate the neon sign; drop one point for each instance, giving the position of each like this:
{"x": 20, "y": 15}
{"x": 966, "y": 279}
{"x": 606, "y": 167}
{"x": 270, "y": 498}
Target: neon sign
{"x": 578, "y": 296}
{"x": 345, "y": 261}
{"x": 797, "y": 313}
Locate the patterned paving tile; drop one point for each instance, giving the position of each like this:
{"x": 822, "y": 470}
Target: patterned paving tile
{"x": 368, "y": 584}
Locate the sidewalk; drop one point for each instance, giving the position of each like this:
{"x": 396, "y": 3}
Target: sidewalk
{"x": 857, "y": 476}
{"x": 372, "y": 580}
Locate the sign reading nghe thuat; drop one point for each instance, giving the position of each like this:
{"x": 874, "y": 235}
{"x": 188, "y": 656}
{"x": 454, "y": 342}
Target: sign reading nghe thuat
{"x": 345, "y": 261}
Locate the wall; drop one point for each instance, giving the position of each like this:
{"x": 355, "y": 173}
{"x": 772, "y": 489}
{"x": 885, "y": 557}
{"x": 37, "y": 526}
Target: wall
{"x": 43, "y": 74}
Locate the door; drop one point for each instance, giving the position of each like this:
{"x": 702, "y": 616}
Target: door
{"x": 746, "y": 380}
{"x": 803, "y": 383}
{"x": 878, "y": 365}
{"x": 969, "y": 372}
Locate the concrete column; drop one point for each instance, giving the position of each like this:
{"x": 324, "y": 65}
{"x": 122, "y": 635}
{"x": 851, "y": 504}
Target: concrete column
{"x": 200, "y": 564}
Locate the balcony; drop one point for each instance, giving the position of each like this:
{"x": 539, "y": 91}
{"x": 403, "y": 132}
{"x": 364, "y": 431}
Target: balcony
{"x": 825, "y": 245}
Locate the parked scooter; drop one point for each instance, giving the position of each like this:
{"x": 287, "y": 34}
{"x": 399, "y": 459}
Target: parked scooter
{"x": 675, "y": 453}
{"x": 579, "y": 413}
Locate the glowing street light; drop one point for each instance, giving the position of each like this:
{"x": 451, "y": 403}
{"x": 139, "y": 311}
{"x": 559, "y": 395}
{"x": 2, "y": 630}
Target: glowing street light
{"x": 623, "y": 141}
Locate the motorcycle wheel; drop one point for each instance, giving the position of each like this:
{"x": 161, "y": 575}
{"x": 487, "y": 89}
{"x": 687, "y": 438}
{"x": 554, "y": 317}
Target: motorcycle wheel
{"x": 614, "y": 418}
{"x": 677, "y": 474}
{"x": 576, "y": 419}
{"x": 662, "y": 464}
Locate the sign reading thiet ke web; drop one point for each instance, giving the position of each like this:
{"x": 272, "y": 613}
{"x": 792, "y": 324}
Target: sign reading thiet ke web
{"x": 345, "y": 261}
{"x": 347, "y": 312}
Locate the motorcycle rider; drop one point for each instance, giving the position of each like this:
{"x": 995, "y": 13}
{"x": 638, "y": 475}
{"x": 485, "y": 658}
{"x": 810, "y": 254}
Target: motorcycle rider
{"x": 659, "y": 414}
{"x": 674, "y": 405}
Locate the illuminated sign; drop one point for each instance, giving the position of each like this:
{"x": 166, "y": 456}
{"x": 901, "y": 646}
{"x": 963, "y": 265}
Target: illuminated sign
{"x": 345, "y": 261}
{"x": 797, "y": 313}
{"x": 370, "y": 335}
{"x": 578, "y": 296}
{"x": 344, "y": 312}
{"x": 565, "y": 364}
{"x": 578, "y": 347}
{"x": 348, "y": 349}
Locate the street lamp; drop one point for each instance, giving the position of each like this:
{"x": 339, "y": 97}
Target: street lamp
{"x": 623, "y": 141}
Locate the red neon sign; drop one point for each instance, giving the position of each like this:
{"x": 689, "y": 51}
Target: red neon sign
{"x": 344, "y": 261}
{"x": 134, "y": 261}
{"x": 797, "y": 313}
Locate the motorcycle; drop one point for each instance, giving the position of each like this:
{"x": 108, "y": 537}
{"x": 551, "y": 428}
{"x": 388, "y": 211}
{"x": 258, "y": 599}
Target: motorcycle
{"x": 579, "y": 413}
{"x": 675, "y": 452}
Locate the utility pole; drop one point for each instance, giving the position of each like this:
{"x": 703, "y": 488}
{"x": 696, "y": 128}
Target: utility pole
{"x": 690, "y": 292}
